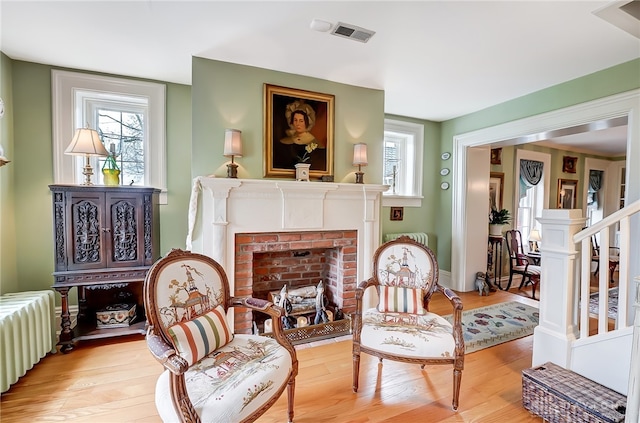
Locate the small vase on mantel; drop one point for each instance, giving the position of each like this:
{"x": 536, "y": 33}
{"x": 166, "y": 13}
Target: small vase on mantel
{"x": 302, "y": 171}
{"x": 495, "y": 230}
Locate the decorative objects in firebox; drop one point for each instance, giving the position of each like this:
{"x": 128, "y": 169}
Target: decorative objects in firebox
{"x": 288, "y": 322}
{"x": 321, "y": 305}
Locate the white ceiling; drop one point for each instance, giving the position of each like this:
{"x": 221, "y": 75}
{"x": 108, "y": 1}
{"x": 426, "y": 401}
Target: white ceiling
{"x": 435, "y": 60}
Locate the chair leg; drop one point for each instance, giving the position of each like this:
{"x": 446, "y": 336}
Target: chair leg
{"x": 534, "y": 286}
{"x": 457, "y": 379}
{"x": 356, "y": 370}
{"x": 509, "y": 283}
{"x": 291, "y": 389}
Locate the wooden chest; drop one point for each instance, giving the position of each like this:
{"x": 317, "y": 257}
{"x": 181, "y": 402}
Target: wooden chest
{"x": 562, "y": 396}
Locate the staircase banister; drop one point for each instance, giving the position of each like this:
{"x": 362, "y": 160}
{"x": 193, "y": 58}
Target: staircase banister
{"x": 607, "y": 221}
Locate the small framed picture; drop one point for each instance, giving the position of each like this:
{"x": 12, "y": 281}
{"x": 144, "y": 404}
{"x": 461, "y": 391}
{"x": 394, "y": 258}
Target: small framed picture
{"x": 397, "y": 213}
{"x": 567, "y": 191}
{"x": 496, "y": 190}
{"x": 496, "y": 156}
{"x": 569, "y": 164}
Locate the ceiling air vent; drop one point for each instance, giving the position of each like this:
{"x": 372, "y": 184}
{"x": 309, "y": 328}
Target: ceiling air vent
{"x": 352, "y": 32}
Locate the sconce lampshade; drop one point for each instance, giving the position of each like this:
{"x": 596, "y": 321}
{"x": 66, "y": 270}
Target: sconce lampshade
{"x": 360, "y": 159}
{"x": 360, "y": 154}
{"x": 232, "y": 148}
{"x": 232, "y": 143}
{"x": 86, "y": 142}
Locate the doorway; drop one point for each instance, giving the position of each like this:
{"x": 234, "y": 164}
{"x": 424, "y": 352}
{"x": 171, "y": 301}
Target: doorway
{"x": 468, "y": 228}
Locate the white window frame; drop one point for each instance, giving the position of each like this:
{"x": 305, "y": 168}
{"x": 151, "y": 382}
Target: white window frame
{"x": 72, "y": 91}
{"x": 541, "y": 203}
{"x": 412, "y": 153}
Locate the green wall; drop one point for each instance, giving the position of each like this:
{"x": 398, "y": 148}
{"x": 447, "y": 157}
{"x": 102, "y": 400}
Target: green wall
{"x": 8, "y": 264}
{"x": 615, "y": 80}
{"x": 33, "y": 170}
{"x": 231, "y": 96}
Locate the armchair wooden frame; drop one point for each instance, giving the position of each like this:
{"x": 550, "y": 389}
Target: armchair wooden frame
{"x": 163, "y": 350}
{"x": 456, "y": 359}
{"x": 520, "y": 264}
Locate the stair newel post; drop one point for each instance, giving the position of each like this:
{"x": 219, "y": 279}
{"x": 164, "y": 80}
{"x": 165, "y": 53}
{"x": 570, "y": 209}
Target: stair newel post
{"x": 558, "y": 326}
{"x": 633, "y": 394}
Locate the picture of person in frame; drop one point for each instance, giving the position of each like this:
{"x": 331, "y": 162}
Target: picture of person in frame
{"x": 299, "y": 144}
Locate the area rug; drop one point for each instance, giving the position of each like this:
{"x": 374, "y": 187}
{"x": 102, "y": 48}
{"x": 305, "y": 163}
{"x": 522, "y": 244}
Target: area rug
{"x": 613, "y": 303}
{"x": 495, "y": 324}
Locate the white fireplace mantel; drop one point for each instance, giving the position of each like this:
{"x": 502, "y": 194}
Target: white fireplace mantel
{"x": 223, "y": 207}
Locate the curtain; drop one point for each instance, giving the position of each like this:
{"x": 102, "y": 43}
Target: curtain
{"x": 530, "y": 175}
{"x": 595, "y": 183}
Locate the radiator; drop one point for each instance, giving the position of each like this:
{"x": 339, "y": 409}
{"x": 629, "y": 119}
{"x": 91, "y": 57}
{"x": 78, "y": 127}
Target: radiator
{"x": 27, "y": 332}
{"x": 420, "y": 237}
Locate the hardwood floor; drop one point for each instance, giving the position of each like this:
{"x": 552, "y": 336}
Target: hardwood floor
{"x": 114, "y": 381}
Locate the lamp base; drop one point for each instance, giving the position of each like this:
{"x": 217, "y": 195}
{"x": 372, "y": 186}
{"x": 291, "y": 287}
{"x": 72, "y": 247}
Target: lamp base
{"x": 359, "y": 177}
{"x": 87, "y": 172}
{"x": 232, "y": 170}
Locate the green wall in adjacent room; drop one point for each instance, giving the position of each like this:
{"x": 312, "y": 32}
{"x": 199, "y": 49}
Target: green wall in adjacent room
{"x": 614, "y": 80}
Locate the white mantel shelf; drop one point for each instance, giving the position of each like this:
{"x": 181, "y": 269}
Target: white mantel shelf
{"x": 222, "y": 207}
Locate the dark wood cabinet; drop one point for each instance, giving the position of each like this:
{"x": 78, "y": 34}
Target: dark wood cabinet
{"x": 106, "y": 238}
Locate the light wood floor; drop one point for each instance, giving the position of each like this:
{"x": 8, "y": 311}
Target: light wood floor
{"x": 114, "y": 381}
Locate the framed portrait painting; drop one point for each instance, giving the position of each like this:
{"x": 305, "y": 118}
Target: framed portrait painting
{"x": 567, "y": 191}
{"x": 496, "y": 189}
{"x": 298, "y": 128}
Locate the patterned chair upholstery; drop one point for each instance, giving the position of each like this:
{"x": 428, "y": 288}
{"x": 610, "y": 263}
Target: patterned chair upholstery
{"x": 400, "y": 327}
{"x": 211, "y": 374}
{"x": 520, "y": 264}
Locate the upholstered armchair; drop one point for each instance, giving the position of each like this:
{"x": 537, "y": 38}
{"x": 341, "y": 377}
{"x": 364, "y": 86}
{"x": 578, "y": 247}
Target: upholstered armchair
{"x": 401, "y": 327}
{"x": 211, "y": 374}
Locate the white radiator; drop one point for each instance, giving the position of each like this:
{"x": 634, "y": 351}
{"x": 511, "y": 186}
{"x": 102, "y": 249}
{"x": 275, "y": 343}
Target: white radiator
{"x": 420, "y": 237}
{"x": 27, "y": 332}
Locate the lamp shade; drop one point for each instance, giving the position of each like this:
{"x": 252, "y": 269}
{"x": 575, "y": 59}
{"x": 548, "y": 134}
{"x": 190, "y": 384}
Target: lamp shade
{"x": 232, "y": 143}
{"x": 534, "y": 235}
{"x": 360, "y": 154}
{"x": 86, "y": 142}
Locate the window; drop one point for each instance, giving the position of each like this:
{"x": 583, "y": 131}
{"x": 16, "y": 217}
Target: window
{"x": 529, "y": 201}
{"x": 128, "y": 114}
{"x": 402, "y": 163}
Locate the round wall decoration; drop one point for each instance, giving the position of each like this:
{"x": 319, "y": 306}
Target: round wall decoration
{"x": 444, "y": 171}
{"x": 445, "y": 156}
{"x": 444, "y": 185}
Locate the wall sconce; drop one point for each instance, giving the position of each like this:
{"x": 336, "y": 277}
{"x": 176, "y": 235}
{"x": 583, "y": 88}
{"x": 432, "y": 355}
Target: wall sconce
{"x": 86, "y": 142}
{"x": 360, "y": 159}
{"x": 534, "y": 237}
{"x": 232, "y": 148}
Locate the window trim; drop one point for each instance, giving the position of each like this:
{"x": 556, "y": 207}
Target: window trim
{"x": 68, "y": 86}
{"x": 417, "y": 130}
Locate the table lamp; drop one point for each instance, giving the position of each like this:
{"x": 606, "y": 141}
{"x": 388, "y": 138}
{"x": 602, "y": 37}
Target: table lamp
{"x": 534, "y": 237}
{"x": 86, "y": 142}
{"x": 232, "y": 148}
{"x": 360, "y": 159}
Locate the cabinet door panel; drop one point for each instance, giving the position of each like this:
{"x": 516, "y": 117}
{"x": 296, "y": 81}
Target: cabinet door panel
{"x": 125, "y": 218}
{"x": 87, "y": 241}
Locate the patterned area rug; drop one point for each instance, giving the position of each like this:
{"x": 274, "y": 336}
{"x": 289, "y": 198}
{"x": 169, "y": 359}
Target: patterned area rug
{"x": 492, "y": 325}
{"x": 613, "y": 303}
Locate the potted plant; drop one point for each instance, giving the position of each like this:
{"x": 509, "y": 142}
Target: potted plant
{"x": 497, "y": 219}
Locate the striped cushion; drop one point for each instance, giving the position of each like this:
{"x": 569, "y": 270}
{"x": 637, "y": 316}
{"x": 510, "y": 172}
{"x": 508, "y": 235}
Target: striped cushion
{"x": 199, "y": 337}
{"x": 395, "y": 299}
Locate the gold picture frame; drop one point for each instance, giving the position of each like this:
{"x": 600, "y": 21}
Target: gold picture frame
{"x": 286, "y": 109}
{"x": 567, "y": 193}
{"x": 397, "y": 213}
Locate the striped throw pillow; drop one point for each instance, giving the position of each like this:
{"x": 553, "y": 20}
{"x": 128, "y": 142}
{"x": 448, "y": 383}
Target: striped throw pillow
{"x": 395, "y": 299}
{"x": 199, "y": 337}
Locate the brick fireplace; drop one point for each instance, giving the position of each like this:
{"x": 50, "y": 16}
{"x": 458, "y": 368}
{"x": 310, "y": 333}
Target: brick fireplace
{"x": 313, "y": 229}
{"x": 264, "y": 262}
